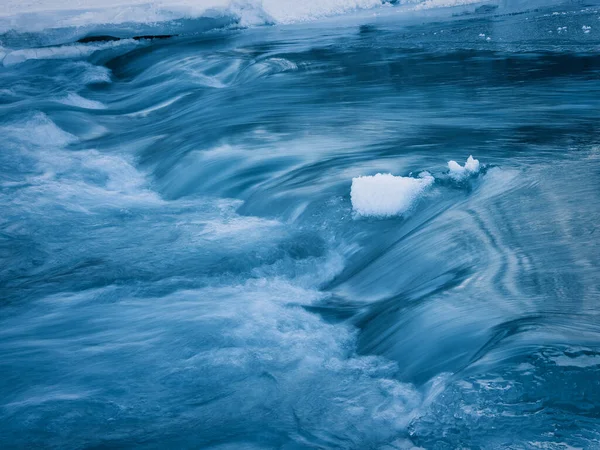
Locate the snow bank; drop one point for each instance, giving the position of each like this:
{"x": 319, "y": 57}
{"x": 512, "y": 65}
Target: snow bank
{"x": 36, "y": 15}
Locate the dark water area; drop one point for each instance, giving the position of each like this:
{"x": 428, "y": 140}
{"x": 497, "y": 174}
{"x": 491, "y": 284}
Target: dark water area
{"x": 181, "y": 264}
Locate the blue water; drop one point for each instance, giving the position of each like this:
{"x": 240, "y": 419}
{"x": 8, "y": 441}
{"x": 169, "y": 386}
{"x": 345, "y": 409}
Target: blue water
{"x": 182, "y": 267}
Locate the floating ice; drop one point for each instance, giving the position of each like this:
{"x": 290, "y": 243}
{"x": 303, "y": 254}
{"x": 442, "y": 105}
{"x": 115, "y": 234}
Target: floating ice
{"x": 459, "y": 172}
{"x": 385, "y": 195}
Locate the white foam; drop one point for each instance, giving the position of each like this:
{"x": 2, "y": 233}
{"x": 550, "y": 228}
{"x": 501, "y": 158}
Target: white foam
{"x": 38, "y": 130}
{"x": 81, "y": 180}
{"x": 86, "y": 73}
{"x": 385, "y": 195}
{"x": 144, "y": 112}
{"x": 458, "y": 172}
{"x": 77, "y": 100}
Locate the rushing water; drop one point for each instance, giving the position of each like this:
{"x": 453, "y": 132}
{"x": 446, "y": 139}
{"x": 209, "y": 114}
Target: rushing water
{"x": 183, "y": 265}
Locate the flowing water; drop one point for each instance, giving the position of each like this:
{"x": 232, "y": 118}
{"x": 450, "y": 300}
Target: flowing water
{"x": 183, "y": 264}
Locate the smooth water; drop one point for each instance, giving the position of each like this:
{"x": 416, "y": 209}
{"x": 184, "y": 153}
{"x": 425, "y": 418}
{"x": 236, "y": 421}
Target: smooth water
{"x": 182, "y": 266}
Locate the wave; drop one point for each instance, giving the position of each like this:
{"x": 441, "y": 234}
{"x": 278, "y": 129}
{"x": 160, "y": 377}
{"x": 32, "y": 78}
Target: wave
{"x": 78, "y": 101}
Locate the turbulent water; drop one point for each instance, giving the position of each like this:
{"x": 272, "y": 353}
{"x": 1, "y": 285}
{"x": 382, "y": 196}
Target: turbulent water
{"x": 251, "y": 237}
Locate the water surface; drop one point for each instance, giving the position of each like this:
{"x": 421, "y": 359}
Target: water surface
{"x": 181, "y": 265}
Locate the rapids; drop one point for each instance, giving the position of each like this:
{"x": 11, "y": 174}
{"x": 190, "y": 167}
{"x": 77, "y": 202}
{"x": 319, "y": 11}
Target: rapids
{"x": 264, "y": 232}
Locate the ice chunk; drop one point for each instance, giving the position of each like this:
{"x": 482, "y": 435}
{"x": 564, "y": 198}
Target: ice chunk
{"x": 385, "y": 195}
{"x": 459, "y": 172}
